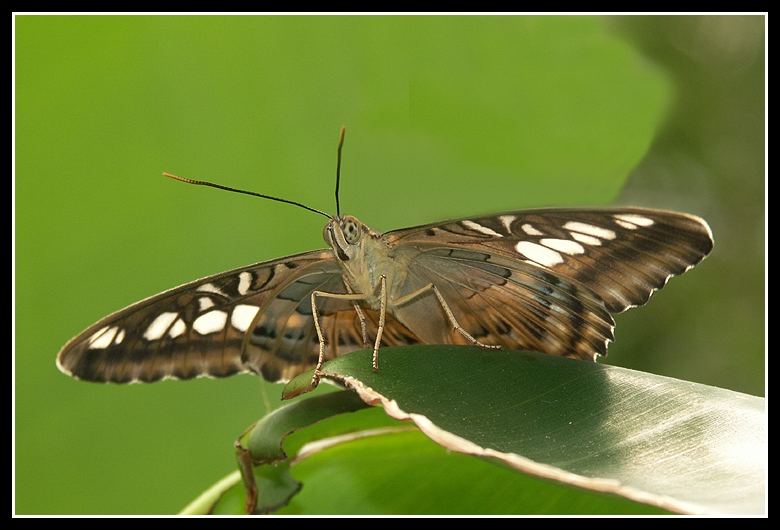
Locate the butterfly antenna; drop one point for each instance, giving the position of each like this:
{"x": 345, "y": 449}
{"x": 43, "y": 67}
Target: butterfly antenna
{"x": 338, "y": 169}
{"x": 219, "y": 186}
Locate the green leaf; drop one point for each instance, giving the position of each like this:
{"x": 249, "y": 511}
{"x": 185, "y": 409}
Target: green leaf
{"x": 206, "y": 501}
{"x": 406, "y": 473}
{"x": 264, "y": 439}
{"x": 378, "y": 471}
{"x": 678, "y": 445}
{"x": 372, "y": 419}
{"x": 263, "y": 482}
{"x": 275, "y": 487}
{"x": 262, "y": 460}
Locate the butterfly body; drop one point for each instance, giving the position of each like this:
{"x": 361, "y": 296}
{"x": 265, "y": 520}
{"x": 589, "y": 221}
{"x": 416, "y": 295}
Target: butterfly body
{"x": 364, "y": 257}
{"x": 544, "y": 280}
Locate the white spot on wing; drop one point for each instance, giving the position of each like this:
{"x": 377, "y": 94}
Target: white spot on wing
{"x": 104, "y": 340}
{"x": 563, "y": 245}
{"x": 210, "y": 322}
{"x": 119, "y": 337}
{"x": 626, "y": 225}
{"x": 539, "y": 254}
{"x": 480, "y": 228}
{"x": 211, "y": 288}
{"x": 243, "y": 315}
{"x": 530, "y": 230}
{"x": 160, "y": 325}
{"x": 205, "y": 303}
{"x": 244, "y": 281}
{"x": 507, "y": 221}
{"x": 640, "y": 220}
{"x": 588, "y": 240}
{"x": 591, "y": 230}
{"x": 97, "y": 334}
{"x": 178, "y": 328}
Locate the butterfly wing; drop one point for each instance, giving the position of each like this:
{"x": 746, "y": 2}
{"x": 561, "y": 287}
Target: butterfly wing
{"x": 622, "y": 255}
{"x": 545, "y": 280}
{"x": 506, "y": 302}
{"x": 284, "y": 340}
{"x": 253, "y": 319}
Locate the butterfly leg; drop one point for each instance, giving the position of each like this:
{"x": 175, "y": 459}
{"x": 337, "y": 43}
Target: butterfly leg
{"x": 315, "y": 380}
{"x": 380, "y": 329}
{"x": 361, "y": 316}
{"x": 431, "y": 287}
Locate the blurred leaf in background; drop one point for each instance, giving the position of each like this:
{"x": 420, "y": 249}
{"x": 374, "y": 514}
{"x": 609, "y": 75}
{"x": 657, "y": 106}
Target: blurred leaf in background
{"x": 708, "y": 158}
{"x": 448, "y": 116}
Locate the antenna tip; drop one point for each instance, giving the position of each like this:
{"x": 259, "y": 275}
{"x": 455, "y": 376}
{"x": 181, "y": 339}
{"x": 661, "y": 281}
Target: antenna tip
{"x": 342, "y": 132}
{"x": 174, "y": 177}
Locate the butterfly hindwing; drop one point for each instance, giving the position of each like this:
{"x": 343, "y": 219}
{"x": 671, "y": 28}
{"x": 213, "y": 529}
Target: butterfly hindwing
{"x": 621, "y": 254}
{"x": 505, "y": 302}
{"x": 283, "y": 341}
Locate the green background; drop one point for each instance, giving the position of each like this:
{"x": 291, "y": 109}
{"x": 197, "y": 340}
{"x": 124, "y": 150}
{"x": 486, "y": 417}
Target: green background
{"x": 446, "y": 117}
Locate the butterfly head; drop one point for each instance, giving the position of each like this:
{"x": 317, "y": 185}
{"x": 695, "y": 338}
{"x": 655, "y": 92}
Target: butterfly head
{"x": 346, "y": 235}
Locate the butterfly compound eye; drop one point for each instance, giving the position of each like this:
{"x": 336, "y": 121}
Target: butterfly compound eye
{"x": 351, "y": 232}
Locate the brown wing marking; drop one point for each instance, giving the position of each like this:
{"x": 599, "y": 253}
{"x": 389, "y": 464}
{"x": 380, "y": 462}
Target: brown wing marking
{"x": 284, "y": 343}
{"x": 513, "y": 304}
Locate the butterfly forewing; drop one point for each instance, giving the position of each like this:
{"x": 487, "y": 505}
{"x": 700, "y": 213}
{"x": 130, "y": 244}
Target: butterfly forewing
{"x": 622, "y": 254}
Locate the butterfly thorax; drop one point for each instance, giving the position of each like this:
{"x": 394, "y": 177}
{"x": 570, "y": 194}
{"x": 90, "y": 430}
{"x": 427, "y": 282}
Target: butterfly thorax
{"x": 364, "y": 255}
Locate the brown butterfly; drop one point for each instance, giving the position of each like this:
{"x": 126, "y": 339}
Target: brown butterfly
{"x": 544, "y": 280}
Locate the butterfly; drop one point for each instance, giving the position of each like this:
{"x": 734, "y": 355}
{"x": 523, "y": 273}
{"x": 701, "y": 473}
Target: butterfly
{"x": 546, "y": 280}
